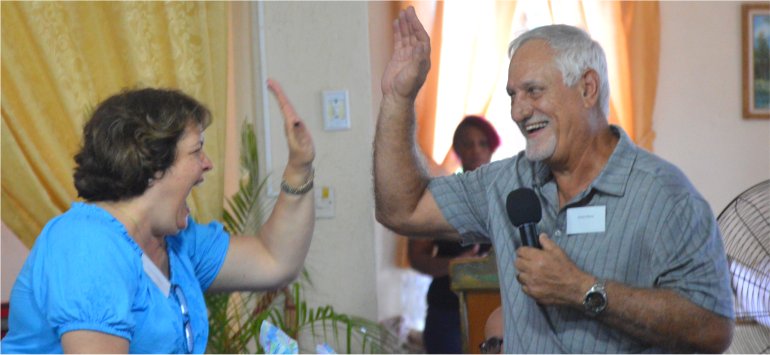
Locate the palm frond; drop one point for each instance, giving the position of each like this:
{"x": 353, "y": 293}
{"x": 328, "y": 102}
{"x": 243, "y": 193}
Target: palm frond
{"x": 235, "y": 318}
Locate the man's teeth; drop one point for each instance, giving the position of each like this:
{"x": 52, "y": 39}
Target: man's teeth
{"x": 535, "y": 126}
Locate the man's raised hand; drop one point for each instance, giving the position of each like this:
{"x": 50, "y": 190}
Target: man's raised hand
{"x": 407, "y": 69}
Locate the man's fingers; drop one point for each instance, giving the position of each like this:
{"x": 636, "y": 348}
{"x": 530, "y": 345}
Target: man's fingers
{"x": 415, "y": 25}
{"x": 544, "y": 240}
{"x": 403, "y": 27}
{"x": 397, "y": 40}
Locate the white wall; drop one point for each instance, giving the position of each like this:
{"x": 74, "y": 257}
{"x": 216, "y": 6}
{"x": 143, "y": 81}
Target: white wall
{"x": 311, "y": 47}
{"x": 697, "y": 117}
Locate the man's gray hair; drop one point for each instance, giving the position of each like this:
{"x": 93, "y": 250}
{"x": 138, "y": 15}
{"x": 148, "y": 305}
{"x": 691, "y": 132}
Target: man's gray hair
{"x": 576, "y": 52}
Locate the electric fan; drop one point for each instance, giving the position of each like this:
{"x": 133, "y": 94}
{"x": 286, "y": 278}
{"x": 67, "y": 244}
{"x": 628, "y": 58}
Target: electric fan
{"x": 745, "y": 227}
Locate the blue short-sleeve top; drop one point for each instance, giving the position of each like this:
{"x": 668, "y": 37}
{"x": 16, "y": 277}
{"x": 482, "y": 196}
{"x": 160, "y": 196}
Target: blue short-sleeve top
{"x": 85, "y": 273}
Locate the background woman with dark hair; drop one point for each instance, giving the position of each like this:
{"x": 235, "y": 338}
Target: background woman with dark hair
{"x": 125, "y": 271}
{"x": 474, "y": 142}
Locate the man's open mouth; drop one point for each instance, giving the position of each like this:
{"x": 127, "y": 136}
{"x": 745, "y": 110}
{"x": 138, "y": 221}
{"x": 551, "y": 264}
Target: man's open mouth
{"x": 534, "y": 127}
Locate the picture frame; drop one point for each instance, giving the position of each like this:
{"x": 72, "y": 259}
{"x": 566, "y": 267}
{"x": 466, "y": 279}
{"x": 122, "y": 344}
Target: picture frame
{"x": 755, "y": 39}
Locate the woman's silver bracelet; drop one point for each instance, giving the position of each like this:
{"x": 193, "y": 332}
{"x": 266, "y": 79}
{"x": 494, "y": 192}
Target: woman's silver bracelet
{"x": 299, "y": 190}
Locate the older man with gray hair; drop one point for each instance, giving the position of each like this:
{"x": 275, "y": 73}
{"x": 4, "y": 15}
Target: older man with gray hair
{"x": 631, "y": 257}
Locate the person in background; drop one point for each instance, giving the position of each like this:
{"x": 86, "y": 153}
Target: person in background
{"x": 631, "y": 259}
{"x": 474, "y": 142}
{"x": 125, "y": 271}
{"x": 494, "y": 330}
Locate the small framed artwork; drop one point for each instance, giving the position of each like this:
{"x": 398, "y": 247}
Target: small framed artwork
{"x": 755, "y": 23}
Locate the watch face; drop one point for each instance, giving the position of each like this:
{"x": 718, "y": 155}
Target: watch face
{"x": 594, "y": 301}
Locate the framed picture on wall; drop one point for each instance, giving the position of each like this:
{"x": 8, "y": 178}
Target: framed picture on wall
{"x": 755, "y": 39}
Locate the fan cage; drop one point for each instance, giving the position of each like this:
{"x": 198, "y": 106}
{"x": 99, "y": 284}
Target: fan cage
{"x": 745, "y": 228}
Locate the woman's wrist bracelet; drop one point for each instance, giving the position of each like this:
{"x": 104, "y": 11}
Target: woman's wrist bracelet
{"x": 299, "y": 190}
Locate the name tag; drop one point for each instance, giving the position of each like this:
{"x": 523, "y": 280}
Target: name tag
{"x": 582, "y": 220}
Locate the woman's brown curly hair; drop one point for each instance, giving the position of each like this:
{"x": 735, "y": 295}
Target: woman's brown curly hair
{"x": 130, "y": 138}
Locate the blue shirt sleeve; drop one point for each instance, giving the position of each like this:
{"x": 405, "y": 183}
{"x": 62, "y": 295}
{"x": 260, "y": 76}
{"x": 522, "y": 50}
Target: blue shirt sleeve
{"x": 206, "y": 245}
{"x": 86, "y": 278}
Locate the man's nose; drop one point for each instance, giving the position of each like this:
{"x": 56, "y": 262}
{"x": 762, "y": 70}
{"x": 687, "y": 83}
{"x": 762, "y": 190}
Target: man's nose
{"x": 521, "y": 109}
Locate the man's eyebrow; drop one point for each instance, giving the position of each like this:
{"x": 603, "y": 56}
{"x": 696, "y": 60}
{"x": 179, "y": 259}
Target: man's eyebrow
{"x": 526, "y": 84}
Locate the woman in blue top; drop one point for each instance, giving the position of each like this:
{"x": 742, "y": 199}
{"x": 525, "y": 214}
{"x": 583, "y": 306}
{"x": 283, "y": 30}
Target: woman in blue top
{"x": 125, "y": 271}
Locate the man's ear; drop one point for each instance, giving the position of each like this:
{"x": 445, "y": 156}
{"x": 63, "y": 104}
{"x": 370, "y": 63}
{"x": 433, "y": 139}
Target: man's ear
{"x": 590, "y": 88}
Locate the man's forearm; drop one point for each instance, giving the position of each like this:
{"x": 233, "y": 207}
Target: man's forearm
{"x": 399, "y": 177}
{"x": 664, "y": 318}
{"x": 654, "y": 316}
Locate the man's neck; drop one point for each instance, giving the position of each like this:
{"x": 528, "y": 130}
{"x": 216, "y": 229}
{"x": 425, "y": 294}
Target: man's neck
{"x": 584, "y": 166}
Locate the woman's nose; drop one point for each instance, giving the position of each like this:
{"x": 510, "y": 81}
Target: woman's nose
{"x": 207, "y": 164}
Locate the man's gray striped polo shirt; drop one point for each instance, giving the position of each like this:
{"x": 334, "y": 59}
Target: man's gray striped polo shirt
{"x": 659, "y": 232}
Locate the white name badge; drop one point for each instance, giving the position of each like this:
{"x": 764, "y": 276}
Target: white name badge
{"x": 581, "y": 220}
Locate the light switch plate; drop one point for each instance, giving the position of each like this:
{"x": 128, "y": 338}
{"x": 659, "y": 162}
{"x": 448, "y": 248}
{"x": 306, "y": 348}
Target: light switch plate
{"x": 336, "y": 110}
{"x": 324, "y": 202}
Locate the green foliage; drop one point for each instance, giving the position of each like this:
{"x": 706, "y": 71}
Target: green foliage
{"x": 235, "y": 318}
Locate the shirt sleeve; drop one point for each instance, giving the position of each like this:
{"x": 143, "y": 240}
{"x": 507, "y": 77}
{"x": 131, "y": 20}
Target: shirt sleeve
{"x": 87, "y": 280}
{"x": 464, "y": 201}
{"x": 692, "y": 260}
{"x": 207, "y": 246}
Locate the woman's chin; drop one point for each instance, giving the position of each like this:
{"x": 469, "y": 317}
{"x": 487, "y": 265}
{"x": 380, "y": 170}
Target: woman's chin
{"x": 181, "y": 221}
{"x": 183, "y": 217}
{"x": 181, "y": 224}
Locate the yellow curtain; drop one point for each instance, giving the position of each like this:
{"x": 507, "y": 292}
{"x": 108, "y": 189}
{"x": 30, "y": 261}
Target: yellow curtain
{"x": 474, "y": 66}
{"x": 638, "y": 48}
{"x": 60, "y": 59}
{"x": 474, "y": 63}
{"x": 629, "y": 32}
{"x": 474, "y": 72}
{"x": 430, "y": 14}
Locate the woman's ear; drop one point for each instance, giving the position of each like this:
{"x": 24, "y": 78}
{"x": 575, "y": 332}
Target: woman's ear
{"x": 157, "y": 176}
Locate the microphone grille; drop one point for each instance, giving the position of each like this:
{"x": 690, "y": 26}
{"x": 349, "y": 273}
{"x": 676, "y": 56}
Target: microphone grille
{"x": 523, "y": 206}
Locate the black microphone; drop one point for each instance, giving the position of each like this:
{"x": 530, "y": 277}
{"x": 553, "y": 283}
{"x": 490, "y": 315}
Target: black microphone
{"x": 524, "y": 211}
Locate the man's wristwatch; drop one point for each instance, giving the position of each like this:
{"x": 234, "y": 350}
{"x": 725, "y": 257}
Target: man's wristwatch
{"x": 595, "y": 300}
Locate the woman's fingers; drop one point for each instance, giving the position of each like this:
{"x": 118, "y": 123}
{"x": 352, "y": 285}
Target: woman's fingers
{"x": 301, "y": 150}
{"x": 290, "y": 117}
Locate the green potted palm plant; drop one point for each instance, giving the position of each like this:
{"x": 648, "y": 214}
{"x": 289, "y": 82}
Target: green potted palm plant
{"x": 235, "y": 318}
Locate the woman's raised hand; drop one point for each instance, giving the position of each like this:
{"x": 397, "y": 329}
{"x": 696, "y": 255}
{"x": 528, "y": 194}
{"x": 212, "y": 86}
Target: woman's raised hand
{"x": 298, "y": 138}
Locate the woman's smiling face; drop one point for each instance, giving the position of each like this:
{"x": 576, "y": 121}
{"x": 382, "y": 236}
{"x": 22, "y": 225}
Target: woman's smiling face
{"x": 173, "y": 188}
